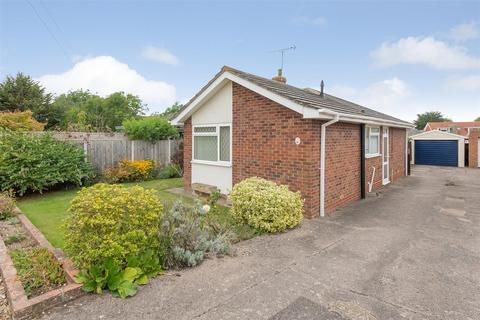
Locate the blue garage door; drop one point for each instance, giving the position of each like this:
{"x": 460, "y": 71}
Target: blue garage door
{"x": 436, "y": 152}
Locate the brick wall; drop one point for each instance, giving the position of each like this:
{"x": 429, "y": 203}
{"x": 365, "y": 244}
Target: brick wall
{"x": 397, "y": 153}
{"x": 473, "y": 148}
{"x": 264, "y": 135}
{"x": 187, "y": 154}
{"x": 342, "y": 165}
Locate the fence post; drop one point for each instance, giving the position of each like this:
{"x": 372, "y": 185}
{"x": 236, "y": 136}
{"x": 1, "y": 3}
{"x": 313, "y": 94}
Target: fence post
{"x": 169, "y": 151}
{"x": 85, "y": 149}
{"x": 133, "y": 150}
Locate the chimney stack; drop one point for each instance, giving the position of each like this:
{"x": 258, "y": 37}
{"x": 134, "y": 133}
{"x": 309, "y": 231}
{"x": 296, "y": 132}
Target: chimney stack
{"x": 321, "y": 88}
{"x": 280, "y": 77}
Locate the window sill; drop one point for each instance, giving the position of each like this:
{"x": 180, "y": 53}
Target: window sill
{"x": 212, "y": 163}
{"x": 368, "y": 156}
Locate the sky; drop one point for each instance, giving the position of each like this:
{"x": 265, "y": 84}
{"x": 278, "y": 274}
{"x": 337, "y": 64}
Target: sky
{"x": 398, "y": 57}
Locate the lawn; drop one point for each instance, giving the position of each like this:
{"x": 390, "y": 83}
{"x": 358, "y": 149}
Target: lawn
{"x": 48, "y": 211}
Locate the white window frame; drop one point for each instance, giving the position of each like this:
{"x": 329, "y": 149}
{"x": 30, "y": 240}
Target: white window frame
{"x": 212, "y": 134}
{"x": 369, "y": 133}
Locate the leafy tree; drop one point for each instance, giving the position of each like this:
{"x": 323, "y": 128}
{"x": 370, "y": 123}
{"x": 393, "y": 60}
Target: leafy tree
{"x": 171, "y": 111}
{"x": 151, "y": 128}
{"x": 430, "y": 116}
{"x": 85, "y": 111}
{"x": 478, "y": 119}
{"x": 22, "y": 93}
{"x": 19, "y": 121}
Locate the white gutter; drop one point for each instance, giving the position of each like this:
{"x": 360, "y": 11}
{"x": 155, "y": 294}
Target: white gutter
{"x": 322, "y": 160}
{"x": 364, "y": 119}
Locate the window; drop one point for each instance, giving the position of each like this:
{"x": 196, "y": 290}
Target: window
{"x": 372, "y": 141}
{"x": 212, "y": 143}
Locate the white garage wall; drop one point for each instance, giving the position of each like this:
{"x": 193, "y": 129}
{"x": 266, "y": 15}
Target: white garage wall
{"x": 217, "y": 110}
{"x": 439, "y": 135}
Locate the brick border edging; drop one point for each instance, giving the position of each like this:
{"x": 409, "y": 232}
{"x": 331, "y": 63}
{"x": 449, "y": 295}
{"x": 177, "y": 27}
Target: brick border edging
{"x": 22, "y": 307}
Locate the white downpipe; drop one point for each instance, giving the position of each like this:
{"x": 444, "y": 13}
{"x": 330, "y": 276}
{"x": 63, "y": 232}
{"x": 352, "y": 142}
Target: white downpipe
{"x": 370, "y": 184}
{"x": 322, "y": 162}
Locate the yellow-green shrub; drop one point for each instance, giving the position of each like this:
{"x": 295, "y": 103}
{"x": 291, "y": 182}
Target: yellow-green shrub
{"x": 111, "y": 221}
{"x": 265, "y": 205}
{"x": 130, "y": 170}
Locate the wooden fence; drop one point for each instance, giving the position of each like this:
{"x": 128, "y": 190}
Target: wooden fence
{"x": 105, "y": 150}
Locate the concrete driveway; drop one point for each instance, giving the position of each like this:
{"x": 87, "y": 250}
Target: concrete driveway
{"x": 412, "y": 252}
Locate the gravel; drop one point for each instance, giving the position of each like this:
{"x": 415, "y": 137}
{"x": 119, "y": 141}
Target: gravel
{"x": 4, "y": 308}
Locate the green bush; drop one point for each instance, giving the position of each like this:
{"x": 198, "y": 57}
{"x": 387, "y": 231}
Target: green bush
{"x": 37, "y": 162}
{"x": 170, "y": 171}
{"x": 186, "y": 240}
{"x": 20, "y": 121}
{"x": 265, "y": 205}
{"x": 111, "y": 221}
{"x": 37, "y": 268}
{"x": 151, "y": 128}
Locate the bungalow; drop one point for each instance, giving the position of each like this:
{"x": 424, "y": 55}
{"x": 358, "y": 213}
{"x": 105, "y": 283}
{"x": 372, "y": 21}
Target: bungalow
{"x": 331, "y": 150}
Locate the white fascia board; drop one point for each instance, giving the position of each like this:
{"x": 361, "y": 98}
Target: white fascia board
{"x": 447, "y": 135}
{"x": 217, "y": 84}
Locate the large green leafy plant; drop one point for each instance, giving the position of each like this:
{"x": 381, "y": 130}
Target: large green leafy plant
{"x": 265, "y": 205}
{"x": 37, "y": 162}
{"x": 120, "y": 279}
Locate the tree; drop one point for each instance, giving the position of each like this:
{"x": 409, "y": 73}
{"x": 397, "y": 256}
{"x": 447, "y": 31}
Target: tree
{"x": 430, "y": 116}
{"x": 85, "y": 111}
{"x": 478, "y": 119}
{"x": 22, "y": 93}
{"x": 171, "y": 111}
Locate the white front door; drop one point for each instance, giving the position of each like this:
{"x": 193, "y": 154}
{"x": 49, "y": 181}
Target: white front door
{"x": 385, "y": 157}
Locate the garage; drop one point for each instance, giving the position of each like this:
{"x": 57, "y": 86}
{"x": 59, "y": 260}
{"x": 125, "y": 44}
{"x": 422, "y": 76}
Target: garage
{"x": 438, "y": 148}
{"x": 436, "y": 152}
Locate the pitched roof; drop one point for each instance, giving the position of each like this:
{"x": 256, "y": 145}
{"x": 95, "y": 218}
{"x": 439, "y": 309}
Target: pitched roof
{"x": 311, "y": 97}
{"x": 437, "y": 125}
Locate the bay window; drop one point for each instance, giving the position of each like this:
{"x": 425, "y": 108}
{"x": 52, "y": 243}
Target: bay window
{"x": 372, "y": 141}
{"x": 212, "y": 143}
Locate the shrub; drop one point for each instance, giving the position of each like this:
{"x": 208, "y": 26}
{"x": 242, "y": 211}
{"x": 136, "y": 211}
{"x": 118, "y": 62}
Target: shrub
{"x": 130, "y": 170}
{"x": 37, "y": 268}
{"x": 111, "y": 221}
{"x": 185, "y": 240}
{"x": 30, "y": 162}
{"x": 151, "y": 128}
{"x": 20, "y": 121}
{"x": 170, "y": 171}
{"x": 7, "y": 205}
{"x": 265, "y": 205}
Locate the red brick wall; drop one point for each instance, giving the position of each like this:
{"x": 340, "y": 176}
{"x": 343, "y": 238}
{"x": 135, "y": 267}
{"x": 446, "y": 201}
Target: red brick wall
{"x": 342, "y": 165}
{"x": 397, "y": 153}
{"x": 187, "y": 154}
{"x": 264, "y": 135}
{"x": 473, "y": 148}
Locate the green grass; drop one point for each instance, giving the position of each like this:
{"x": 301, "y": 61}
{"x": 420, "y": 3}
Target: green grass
{"x": 49, "y": 210}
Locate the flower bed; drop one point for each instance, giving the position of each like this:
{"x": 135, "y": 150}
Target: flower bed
{"x": 36, "y": 275}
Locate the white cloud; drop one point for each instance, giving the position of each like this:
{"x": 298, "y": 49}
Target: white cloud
{"x": 464, "y": 83}
{"x": 379, "y": 95}
{"x": 160, "y": 55}
{"x": 313, "y": 21}
{"x": 105, "y": 75}
{"x": 464, "y": 32}
{"x": 428, "y": 51}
